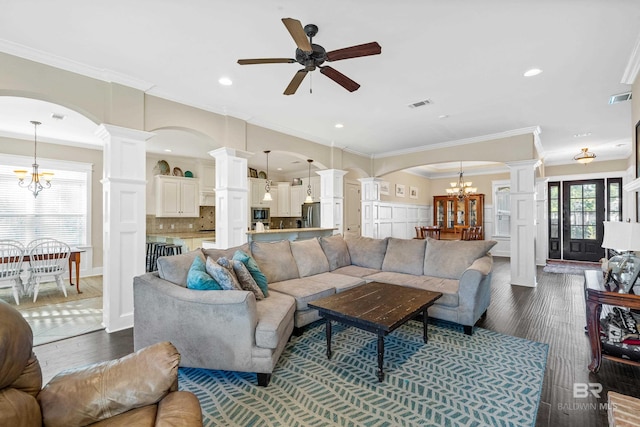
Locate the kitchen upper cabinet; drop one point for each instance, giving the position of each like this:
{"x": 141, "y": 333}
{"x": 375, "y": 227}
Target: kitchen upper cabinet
{"x": 257, "y": 192}
{"x": 297, "y": 198}
{"x": 177, "y": 197}
{"x": 315, "y": 188}
{"x": 207, "y": 180}
{"x": 284, "y": 199}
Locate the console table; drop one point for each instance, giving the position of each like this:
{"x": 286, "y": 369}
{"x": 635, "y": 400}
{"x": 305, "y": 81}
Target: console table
{"x": 597, "y": 293}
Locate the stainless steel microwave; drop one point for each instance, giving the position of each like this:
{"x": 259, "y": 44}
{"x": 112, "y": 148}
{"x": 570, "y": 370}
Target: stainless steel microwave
{"x": 260, "y": 214}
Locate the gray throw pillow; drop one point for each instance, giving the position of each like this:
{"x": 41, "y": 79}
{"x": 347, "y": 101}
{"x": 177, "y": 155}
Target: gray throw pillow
{"x": 450, "y": 258}
{"x": 404, "y": 256}
{"x": 275, "y": 260}
{"x": 366, "y": 251}
{"x": 309, "y": 257}
{"x": 222, "y": 275}
{"x": 336, "y": 251}
{"x": 246, "y": 280}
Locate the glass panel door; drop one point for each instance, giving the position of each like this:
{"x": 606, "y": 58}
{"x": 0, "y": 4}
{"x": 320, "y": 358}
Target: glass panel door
{"x": 451, "y": 210}
{"x": 440, "y": 213}
{"x": 473, "y": 212}
{"x": 583, "y": 212}
{"x": 554, "y": 221}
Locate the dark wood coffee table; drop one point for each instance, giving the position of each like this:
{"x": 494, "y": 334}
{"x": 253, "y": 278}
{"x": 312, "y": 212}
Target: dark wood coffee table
{"x": 376, "y": 307}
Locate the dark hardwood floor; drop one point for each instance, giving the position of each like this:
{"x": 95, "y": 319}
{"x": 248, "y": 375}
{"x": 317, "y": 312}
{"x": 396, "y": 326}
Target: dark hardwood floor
{"x": 553, "y": 313}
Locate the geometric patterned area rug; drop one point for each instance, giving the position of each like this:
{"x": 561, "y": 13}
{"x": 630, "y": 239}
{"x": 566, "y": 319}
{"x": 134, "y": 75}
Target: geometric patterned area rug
{"x": 487, "y": 379}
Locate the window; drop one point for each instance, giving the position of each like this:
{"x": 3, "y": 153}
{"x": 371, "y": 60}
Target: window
{"x": 61, "y": 212}
{"x": 502, "y": 208}
{"x": 614, "y": 199}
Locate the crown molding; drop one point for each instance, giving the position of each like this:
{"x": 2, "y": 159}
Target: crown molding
{"x": 66, "y": 64}
{"x": 633, "y": 65}
{"x": 482, "y": 138}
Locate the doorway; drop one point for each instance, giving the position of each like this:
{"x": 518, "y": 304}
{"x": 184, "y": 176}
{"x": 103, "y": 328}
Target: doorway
{"x": 577, "y": 210}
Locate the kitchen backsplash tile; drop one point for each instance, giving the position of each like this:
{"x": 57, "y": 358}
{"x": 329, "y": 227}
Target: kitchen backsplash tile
{"x": 206, "y": 221}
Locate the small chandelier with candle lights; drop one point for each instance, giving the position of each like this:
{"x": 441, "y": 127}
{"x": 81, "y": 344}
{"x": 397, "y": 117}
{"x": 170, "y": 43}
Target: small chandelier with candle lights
{"x": 36, "y": 184}
{"x": 461, "y": 189}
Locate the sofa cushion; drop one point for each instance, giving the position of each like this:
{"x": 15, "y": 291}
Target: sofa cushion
{"x": 405, "y": 256}
{"x": 274, "y": 314}
{"x": 304, "y": 290}
{"x": 222, "y": 275}
{"x": 275, "y": 260}
{"x": 340, "y": 282}
{"x": 199, "y": 279}
{"x": 366, "y": 251}
{"x": 450, "y": 258}
{"x": 226, "y": 253}
{"x": 448, "y": 287}
{"x": 253, "y": 268}
{"x": 355, "y": 271}
{"x": 245, "y": 279}
{"x": 336, "y": 251}
{"x": 310, "y": 257}
{"x": 175, "y": 268}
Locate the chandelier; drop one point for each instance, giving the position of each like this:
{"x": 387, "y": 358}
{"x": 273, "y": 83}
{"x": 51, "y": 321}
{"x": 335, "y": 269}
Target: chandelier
{"x": 267, "y": 187}
{"x": 309, "y": 199}
{"x": 36, "y": 184}
{"x": 584, "y": 157}
{"x": 461, "y": 189}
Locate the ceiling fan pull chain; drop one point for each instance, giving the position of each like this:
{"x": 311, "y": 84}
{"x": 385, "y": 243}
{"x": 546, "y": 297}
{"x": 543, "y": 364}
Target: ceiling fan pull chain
{"x": 310, "y": 83}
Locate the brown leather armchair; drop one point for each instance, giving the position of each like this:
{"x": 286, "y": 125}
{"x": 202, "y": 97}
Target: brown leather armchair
{"x": 135, "y": 390}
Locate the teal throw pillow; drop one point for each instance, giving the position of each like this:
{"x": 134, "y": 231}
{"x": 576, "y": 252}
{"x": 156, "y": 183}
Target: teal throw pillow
{"x": 199, "y": 279}
{"x": 253, "y": 268}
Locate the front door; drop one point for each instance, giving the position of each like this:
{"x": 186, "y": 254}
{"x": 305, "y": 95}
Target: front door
{"x": 583, "y": 214}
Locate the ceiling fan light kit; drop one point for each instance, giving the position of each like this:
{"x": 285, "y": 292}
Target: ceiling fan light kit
{"x": 312, "y": 56}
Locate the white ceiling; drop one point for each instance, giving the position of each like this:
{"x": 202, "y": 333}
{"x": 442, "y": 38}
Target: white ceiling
{"x": 467, "y": 57}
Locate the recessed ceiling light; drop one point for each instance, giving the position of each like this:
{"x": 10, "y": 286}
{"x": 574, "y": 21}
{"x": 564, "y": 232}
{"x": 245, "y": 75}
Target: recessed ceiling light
{"x": 225, "y": 81}
{"x": 443, "y": 116}
{"x": 339, "y": 125}
{"x": 582, "y": 135}
{"x": 57, "y": 116}
{"x": 532, "y": 72}
{"x": 168, "y": 150}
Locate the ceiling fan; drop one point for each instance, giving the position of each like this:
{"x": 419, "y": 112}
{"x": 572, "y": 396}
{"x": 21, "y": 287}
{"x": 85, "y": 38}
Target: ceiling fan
{"x": 312, "y": 56}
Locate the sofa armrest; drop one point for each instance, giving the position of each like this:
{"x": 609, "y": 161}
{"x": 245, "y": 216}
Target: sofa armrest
{"x": 475, "y": 290}
{"x": 85, "y": 395}
{"x": 179, "y": 409}
{"x": 210, "y": 329}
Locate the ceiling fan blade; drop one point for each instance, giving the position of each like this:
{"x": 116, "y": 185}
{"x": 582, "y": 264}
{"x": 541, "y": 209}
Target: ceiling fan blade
{"x": 366, "y": 49}
{"x": 295, "y": 82}
{"x": 340, "y": 78}
{"x": 266, "y": 61}
{"x": 297, "y": 32}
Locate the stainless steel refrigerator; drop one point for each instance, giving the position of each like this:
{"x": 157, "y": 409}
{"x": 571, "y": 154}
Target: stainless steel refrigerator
{"x": 311, "y": 215}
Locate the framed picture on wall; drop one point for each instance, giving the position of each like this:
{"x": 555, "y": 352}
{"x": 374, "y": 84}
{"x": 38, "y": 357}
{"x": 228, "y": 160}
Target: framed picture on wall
{"x": 253, "y": 173}
{"x": 384, "y": 188}
{"x": 413, "y": 192}
{"x": 399, "y": 190}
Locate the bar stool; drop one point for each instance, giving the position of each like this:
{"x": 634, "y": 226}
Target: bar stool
{"x": 172, "y": 249}
{"x": 157, "y": 251}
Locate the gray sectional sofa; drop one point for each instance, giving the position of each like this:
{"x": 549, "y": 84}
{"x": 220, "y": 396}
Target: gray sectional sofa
{"x": 230, "y": 330}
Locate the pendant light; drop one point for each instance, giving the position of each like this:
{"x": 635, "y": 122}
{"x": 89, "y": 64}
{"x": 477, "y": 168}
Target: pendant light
{"x": 267, "y": 187}
{"x": 35, "y": 185}
{"x": 309, "y": 199}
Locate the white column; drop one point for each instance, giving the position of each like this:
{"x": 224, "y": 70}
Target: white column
{"x": 332, "y": 199}
{"x": 523, "y": 222}
{"x": 231, "y": 196}
{"x": 124, "y": 216}
{"x": 370, "y": 203}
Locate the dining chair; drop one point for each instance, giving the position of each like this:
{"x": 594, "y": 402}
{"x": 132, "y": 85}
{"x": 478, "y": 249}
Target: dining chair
{"x": 433, "y": 232}
{"x": 419, "y": 233}
{"x": 47, "y": 258}
{"x": 11, "y": 257}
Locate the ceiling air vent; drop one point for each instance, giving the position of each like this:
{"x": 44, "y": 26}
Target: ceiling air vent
{"x": 621, "y": 97}
{"x": 420, "y": 103}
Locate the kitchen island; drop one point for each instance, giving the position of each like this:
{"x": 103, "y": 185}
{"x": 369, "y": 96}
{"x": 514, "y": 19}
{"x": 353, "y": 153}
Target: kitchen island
{"x": 189, "y": 240}
{"x": 277, "y": 234}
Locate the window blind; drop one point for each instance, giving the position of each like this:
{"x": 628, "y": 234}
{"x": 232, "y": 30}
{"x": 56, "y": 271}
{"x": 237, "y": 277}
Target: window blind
{"x": 59, "y": 212}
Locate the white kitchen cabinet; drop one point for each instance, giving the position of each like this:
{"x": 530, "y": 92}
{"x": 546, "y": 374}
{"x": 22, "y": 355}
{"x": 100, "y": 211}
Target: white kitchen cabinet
{"x": 257, "y": 192}
{"x": 284, "y": 199}
{"x": 315, "y": 188}
{"x": 177, "y": 197}
{"x": 297, "y": 198}
{"x": 207, "y": 180}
